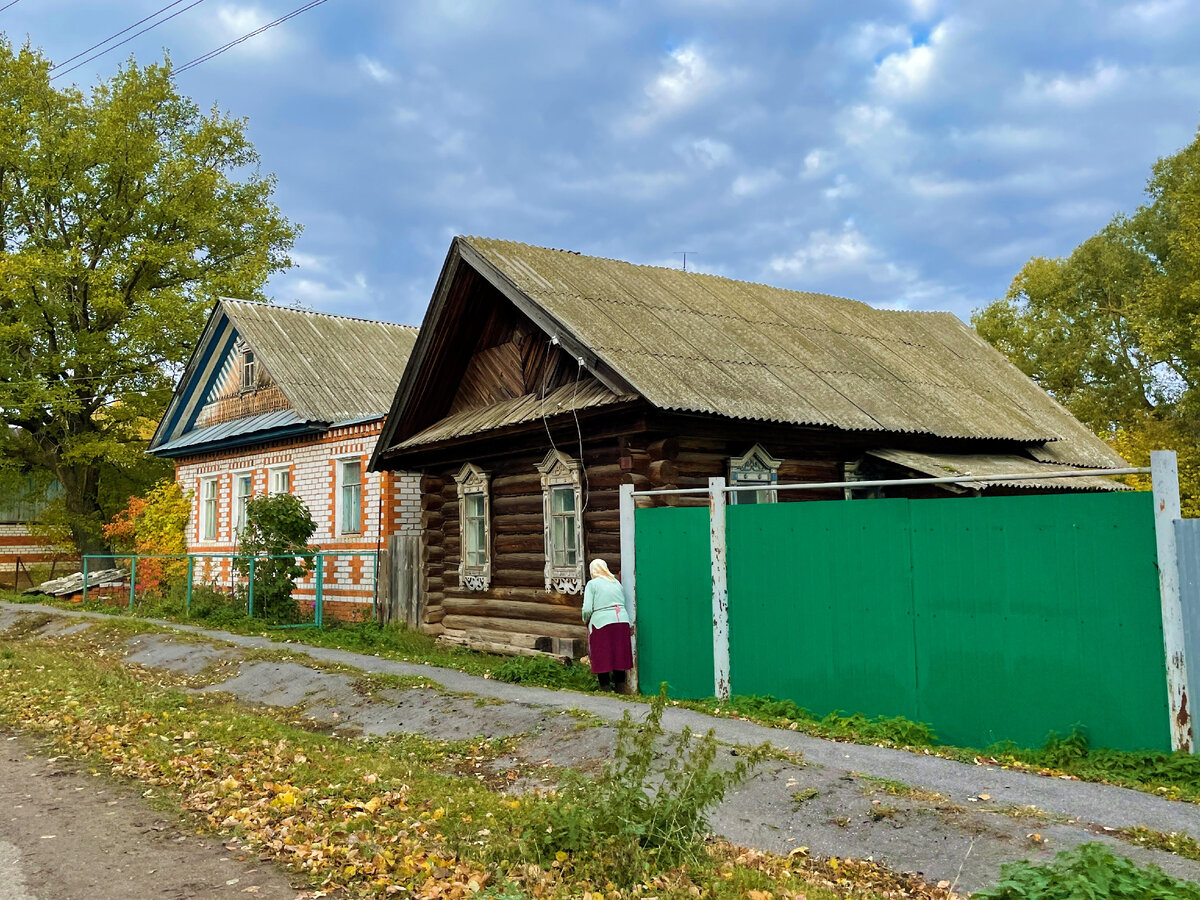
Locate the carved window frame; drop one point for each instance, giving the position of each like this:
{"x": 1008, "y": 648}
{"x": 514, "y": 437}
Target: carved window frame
{"x": 473, "y": 482}
{"x": 559, "y": 470}
{"x": 756, "y": 466}
{"x": 247, "y": 368}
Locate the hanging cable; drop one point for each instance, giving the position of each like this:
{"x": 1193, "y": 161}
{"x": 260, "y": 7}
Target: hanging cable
{"x": 127, "y": 40}
{"x": 7, "y": 5}
{"x": 111, "y": 36}
{"x": 579, "y": 432}
{"x": 192, "y": 63}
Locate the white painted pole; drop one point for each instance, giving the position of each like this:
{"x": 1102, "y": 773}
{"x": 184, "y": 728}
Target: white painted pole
{"x": 1165, "y": 474}
{"x": 720, "y": 587}
{"x": 629, "y": 571}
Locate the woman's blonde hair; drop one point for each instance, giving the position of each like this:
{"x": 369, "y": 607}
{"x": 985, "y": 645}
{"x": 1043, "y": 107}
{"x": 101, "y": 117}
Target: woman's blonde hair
{"x": 599, "y": 569}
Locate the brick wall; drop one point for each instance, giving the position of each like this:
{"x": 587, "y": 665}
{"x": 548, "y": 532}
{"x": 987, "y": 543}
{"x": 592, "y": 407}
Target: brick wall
{"x": 391, "y": 504}
{"x": 16, "y": 541}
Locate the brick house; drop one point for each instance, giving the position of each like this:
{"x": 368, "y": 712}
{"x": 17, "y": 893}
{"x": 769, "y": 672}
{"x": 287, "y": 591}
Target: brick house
{"x": 279, "y": 400}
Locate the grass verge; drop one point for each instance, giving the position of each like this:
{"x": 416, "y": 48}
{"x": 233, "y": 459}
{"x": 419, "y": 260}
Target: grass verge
{"x": 1174, "y": 776}
{"x": 366, "y": 818}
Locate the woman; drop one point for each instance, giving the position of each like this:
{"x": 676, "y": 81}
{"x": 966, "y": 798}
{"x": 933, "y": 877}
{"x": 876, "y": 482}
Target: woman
{"x": 609, "y": 645}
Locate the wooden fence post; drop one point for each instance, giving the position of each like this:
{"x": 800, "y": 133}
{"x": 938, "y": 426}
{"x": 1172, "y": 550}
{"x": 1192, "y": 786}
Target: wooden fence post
{"x": 1164, "y": 472}
{"x": 720, "y": 587}
{"x": 628, "y": 509}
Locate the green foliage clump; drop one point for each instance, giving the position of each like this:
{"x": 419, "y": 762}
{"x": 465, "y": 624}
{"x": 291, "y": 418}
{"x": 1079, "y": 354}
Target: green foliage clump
{"x": 276, "y": 526}
{"x": 1088, "y": 871}
{"x": 544, "y": 671}
{"x": 894, "y": 731}
{"x": 637, "y": 816}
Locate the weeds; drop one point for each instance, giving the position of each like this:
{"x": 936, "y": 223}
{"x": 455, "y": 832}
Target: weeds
{"x": 1088, "y": 871}
{"x": 636, "y": 817}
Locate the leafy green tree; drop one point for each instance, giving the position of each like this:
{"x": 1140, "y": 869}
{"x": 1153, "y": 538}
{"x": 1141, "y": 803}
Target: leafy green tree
{"x": 124, "y": 212}
{"x": 278, "y": 526}
{"x": 1113, "y": 330}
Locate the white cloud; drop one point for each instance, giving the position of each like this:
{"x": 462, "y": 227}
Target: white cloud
{"x": 329, "y": 295}
{"x": 707, "y": 153}
{"x": 375, "y": 70}
{"x": 833, "y": 258}
{"x": 869, "y": 38}
{"x": 865, "y": 124}
{"x": 1074, "y": 91}
{"x": 816, "y": 162}
{"x": 922, "y": 9}
{"x": 841, "y": 188}
{"x": 684, "y": 78}
{"x": 234, "y": 21}
{"x": 907, "y": 73}
{"x": 748, "y": 184}
{"x": 1154, "y": 14}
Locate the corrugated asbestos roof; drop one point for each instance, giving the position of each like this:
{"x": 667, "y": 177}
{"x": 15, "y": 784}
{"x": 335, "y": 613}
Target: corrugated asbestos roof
{"x": 569, "y": 397}
{"x": 225, "y": 431}
{"x": 701, "y": 343}
{"x": 331, "y": 368}
{"x": 944, "y": 465}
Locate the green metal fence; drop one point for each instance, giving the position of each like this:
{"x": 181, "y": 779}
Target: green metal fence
{"x": 998, "y": 618}
{"x": 184, "y": 574}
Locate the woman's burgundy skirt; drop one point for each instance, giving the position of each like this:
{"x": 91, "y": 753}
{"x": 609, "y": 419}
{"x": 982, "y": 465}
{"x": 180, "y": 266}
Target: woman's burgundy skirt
{"x": 611, "y": 648}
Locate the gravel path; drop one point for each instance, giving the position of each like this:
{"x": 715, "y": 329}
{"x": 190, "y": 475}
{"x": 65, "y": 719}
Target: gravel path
{"x": 825, "y": 804}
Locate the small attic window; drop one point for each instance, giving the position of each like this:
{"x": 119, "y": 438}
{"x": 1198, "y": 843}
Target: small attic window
{"x": 757, "y": 467}
{"x": 249, "y": 370}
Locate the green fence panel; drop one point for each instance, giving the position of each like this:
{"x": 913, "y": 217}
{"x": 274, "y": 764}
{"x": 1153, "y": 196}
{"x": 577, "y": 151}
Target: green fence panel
{"x": 1038, "y": 613}
{"x": 821, "y": 606}
{"x": 674, "y": 601}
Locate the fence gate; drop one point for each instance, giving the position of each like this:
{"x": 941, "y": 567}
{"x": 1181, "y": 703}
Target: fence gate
{"x": 991, "y": 619}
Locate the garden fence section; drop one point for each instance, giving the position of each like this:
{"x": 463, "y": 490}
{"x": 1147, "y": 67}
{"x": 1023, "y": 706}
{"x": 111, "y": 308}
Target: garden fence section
{"x": 340, "y": 584}
{"x": 991, "y": 619}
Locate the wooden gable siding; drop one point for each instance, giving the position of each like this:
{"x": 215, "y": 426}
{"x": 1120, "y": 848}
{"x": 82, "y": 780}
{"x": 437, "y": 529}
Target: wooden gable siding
{"x": 511, "y": 358}
{"x": 227, "y": 399}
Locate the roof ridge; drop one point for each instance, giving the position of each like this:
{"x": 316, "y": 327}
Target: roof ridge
{"x": 726, "y": 278}
{"x": 312, "y": 312}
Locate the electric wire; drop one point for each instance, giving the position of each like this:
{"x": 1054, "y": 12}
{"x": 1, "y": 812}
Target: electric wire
{"x": 127, "y": 40}
{"x": 111, "y": 36}
{"x": 7, "y": 5}
{"x": 203, "y": 58}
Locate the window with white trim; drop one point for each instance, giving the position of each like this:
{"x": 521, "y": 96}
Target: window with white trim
{"x": 474, "y": 513}
{"x": 562, "y": 504}
{"x": 249, "y": 370}
{"x": 279, "y": 481}
{"x": 208, "y": 509}
{"x": 756, "y": 467}
{"x": 243, "y": 490}
{"x": 350, "y": 496}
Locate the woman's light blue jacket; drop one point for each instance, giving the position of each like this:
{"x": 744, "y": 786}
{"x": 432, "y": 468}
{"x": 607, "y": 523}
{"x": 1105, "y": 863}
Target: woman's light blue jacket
{"x": 603, "y": 603}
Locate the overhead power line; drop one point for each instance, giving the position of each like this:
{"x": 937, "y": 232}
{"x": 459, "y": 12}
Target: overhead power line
{"x": 128, "y": 39}
{"x": 7, "y": 5}
{"x": 192, "y": 63}
{"x": 111, "y": 36}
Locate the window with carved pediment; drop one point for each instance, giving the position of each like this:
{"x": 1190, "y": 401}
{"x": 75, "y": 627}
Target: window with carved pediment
{"x": 562, "y": 503}
{"x": 757, "y": 467}
{"x": 474, "y": 516}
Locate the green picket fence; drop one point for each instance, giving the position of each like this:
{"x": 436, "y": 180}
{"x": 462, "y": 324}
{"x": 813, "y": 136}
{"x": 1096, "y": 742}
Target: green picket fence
{"x": 991, "y": 619}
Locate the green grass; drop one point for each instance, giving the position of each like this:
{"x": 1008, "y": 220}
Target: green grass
{"x": 345, "y": 814}
{"x": 1088, "y": 871}
{"x": 1175, "y": 776}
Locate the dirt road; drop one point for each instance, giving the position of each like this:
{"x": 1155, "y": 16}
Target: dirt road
{"x": 68, "y": 835}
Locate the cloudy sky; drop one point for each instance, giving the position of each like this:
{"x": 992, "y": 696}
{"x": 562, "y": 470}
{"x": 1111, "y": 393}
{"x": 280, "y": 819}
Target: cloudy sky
{"x": 910, "y": 154}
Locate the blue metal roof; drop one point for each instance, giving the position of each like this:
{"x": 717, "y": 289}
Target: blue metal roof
{"x": 239, "y": 432}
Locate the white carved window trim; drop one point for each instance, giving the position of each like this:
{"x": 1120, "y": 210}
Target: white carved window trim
{"x": 474, "y": 482}
{"x": 757, "y": 466}
{"x": 247, "y": 367}
{"x": 210, "y": 499}
{"x": 559, "y": 470}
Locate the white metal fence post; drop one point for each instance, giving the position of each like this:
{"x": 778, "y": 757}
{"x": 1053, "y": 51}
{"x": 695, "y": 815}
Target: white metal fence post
{"x": 629, "y": 571}
{"x": 1164, "y": 472}
{"x": 720, "y": 587}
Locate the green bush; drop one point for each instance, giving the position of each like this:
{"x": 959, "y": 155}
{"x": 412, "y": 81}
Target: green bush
{"x": 1089, "y": 872}
{"x": 636, "y": 816}
{"x": 544, "y": 671}
{"x": 276, "y": 526}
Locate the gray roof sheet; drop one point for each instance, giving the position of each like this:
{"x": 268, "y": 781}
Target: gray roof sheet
{"x": 331, "y": 368}
{"x": 526, "y": 408}
{"x": 944, "y": 465}
{"x": 234, "y": 428}
{"x": 701, "y": 343}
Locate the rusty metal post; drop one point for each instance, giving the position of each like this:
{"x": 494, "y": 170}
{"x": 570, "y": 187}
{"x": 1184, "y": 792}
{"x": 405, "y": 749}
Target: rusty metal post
{"x": 1165, "y": 475}
{"x": 720, "y": 587}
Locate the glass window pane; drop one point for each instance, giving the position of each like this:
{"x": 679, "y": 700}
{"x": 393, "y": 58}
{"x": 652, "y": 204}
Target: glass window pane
{"x": 474, "y": 504}
{"x": 563, "y": 499}
{"x": 352, "y": 472}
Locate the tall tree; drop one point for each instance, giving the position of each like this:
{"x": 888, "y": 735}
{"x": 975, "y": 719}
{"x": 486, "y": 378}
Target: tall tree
{"x": 1113, "y": 330}
{"x": 124, "y": 212}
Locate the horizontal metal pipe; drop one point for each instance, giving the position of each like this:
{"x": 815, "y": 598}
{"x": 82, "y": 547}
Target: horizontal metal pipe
{"x": 897, "y": 482}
